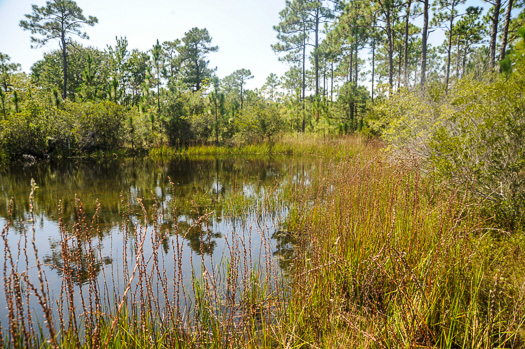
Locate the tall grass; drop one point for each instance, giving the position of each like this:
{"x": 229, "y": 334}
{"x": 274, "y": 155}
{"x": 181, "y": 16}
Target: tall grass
{"x": 139, "y": 302}
{"x": 296, "y": 145}
{"x": 386, "y": 258}
{"x": 373, "y": 255}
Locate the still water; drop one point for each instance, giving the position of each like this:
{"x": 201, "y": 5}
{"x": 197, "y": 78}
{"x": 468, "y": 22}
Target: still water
{"x": 237, "y": 195}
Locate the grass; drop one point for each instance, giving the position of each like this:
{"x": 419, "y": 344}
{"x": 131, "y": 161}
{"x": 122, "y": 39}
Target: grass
{"x": 373, "y": 255}
{"x": 296, "y": 145}
{"x": 387, "y": 258}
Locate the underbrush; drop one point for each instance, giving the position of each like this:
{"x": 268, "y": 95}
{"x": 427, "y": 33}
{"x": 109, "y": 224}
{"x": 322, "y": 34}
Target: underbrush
{"x": 471, "y": 136}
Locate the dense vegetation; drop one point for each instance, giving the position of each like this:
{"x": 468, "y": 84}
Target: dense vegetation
{"x": 456, "y": 107}
{"x": 419, "y": 245}
{"x": 388, "y": 259}
{"x": 170, "y": 94}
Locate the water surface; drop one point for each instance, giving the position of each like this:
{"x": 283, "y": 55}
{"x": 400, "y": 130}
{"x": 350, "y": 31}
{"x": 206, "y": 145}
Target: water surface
{"x": 237, "y": 195}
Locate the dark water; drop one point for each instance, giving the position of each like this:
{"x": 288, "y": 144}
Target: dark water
{"x": 238, "y": 193}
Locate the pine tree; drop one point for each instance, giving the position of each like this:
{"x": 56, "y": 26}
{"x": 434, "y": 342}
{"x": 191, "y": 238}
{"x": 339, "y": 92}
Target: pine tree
{"x": 292, "y": 33}
{"x": 156, "y": 53}
{"x": 424, "y": 41}
{"x": 447, "y": 12}
{"x": 59, "y": 19}
{"x": 197, "y": 45}
{"x": 494, "y": 19}
{"x": 6, "y": 70}
{"x": 241, "y": 75}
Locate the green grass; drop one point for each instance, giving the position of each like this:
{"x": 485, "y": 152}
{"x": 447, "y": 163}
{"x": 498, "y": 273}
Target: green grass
{"x": 375, "y": 255}
{"x": 296, "y": 145}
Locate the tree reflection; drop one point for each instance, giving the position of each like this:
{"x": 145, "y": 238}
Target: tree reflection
{"x": 82, "y": 265}
{"x": 198, "y": 185}
{"x": 193, "y": 227}
{"x": 200, "y": 238}
{"x": 285, "y": 243}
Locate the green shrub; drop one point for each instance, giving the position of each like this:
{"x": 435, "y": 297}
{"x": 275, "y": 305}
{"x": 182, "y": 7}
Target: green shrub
{"x": 259, "y": 122}
{"x": 22, "y": 133}
{"x": 473, "y": 137}
{"x": 71, "y": 129}
{"x": 100, "y": 126}
{"x": 79, "y": 128}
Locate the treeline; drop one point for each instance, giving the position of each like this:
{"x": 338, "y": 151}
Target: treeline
{"x": 80, "y": 99}
{"x": 456, "y": 110}
{"x": 122, "y": 97}
{"x": 357, "y": 50}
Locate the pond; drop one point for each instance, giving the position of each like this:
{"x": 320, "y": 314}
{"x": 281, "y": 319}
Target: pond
{"x": 153, "y": 226}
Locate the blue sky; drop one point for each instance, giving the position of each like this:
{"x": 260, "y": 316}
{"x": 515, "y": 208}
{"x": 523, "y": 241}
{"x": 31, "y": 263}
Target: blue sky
{"x": 243, "y": 29}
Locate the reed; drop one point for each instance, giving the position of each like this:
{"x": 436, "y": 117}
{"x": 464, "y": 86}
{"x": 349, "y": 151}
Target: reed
{"x": 141, "y": 302}
{"x": 371, "y": 254}
{"x": 296, "y": 145}
{"x": 387, "y": 258}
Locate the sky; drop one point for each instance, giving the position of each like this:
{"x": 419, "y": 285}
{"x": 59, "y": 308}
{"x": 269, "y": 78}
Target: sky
{"x": 243, "y": 30}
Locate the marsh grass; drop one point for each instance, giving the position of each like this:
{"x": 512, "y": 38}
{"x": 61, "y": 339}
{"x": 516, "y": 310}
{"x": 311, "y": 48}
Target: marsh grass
{"x": 331, "y": 147}
{"x": 387, "y": 258}
{"x": 372, "y": 255}
{"x": 139, "y": 302}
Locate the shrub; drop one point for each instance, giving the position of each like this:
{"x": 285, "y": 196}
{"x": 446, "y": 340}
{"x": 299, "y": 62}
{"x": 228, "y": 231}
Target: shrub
{"x": 100, "y": 126}
{"x": 259, "y": 122}
{"x": 472, "y": 137}
{"x": 23, "y": 133}
{"x": 71, "y": 129}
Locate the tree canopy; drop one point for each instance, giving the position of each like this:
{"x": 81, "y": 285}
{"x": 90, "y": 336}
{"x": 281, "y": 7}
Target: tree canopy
{"x": 57, "y": 20}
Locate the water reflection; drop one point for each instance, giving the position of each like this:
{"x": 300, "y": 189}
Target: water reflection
{"x": 201, "y": 238}
{"x": 83, "y": 265}
{"x": 174, "y": 193}
{"x": 284, "y": 251}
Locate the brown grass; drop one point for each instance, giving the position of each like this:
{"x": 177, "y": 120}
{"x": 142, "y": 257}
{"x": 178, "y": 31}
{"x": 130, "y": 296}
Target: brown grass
{"x": 372, "y": 255}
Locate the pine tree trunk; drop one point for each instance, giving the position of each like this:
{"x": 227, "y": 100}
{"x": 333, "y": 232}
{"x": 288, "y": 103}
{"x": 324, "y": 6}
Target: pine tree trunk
{"x": 424, "y": 43}
{"x": 350, "y": 77}
{"x": 316, "y": 53}
{"x": 198, "y": 73}
{"x": 464, "y": 61}
{"x": 158, "y": 91}
{"x": 64, "y": 64}
{"x": 373, "y": 65}
{"x": 406, "y": 42}
{"x": 505, "y": 31}
{"x": 332, "y": 82}
{"x": 241, "y": 97}
{"x": 356, "y": 79}
{"x": 399, "y": 64}
{"x": 494, "y": 34}
{"x": 216, "y": 120}
{"x": 324, "y": 82}
{"x": 390, "y": 50}
{"x": 449, "y": 46}
{"x": 304, "y": 76}
{"x": 457, "y": 57}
